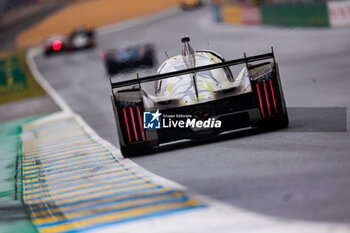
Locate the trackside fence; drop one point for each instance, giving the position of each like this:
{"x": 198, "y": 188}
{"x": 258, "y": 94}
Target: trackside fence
{"x": 295, "y": 14}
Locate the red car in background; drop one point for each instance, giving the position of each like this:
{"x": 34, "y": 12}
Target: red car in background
{"x": 81, "y": 38}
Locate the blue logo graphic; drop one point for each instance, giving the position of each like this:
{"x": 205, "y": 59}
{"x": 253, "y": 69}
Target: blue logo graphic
{"x": 151, "y": 120}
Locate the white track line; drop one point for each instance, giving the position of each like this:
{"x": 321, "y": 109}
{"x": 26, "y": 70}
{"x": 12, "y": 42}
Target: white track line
{"x": 31, "y": 54}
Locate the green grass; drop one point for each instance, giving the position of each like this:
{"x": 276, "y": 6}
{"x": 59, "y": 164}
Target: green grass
{"x": 13, "y": 215}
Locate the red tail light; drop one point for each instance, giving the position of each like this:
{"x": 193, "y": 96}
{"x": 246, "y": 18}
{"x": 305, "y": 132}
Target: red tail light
{"x": 127, "y": 124}
{"x": 273, "y": 97}
{"x": 103, "y": 54}
{"x": 133, "y": 123}
{"x": 267, "y": 99}
{"x": 137, "y": 132}
{"x": 57, "y": 45}
{"x": 260, "y": 102}
{"x": 141, "y": 126}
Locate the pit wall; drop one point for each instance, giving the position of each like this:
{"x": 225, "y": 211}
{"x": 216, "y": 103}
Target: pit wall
{"x": 321, "y": 14}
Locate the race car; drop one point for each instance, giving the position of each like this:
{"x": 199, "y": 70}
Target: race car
{"x": 196, "y": 96}
{"x": 119, "y": 60}
{"x": 80, "y": 38}
{"x": 190, "y": 4}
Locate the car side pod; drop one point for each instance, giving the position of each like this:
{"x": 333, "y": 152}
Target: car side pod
{"x": 128, "y": 112}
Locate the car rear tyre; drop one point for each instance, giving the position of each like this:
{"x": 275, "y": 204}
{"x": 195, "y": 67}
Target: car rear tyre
{"x": 274, "y": 124}
{"x": 136, "y": 150}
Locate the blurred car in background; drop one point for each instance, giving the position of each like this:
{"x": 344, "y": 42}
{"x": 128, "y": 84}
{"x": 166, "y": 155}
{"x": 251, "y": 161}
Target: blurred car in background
{"x": 81, "y": 38}
{"x": 119, "y": 60}
{"x": 190, "y": 4}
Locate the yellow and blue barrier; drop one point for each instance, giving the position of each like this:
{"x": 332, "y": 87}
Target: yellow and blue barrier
{"x": 72, "y": 183}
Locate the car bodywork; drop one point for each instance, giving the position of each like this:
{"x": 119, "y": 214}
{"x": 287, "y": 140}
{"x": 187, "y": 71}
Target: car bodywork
{"x": 82, "y": 38}
{"x": 200, "y": 84}
{"x": 119, "y": 60}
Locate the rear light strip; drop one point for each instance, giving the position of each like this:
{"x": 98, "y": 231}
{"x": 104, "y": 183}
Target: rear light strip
{"x": 265, "y": 91}
{"x": 260, "y": 102}
{"x": 133, "y": 123}
{"x": 138, "y": 131}
{"x": 267, "y": 99}
{"x": 141, "y": 126}
{"x": 273, "y": 97}
{"x": 127, "y": 124}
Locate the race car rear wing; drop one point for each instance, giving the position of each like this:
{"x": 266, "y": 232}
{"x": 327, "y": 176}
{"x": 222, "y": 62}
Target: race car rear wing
{"x": 156, "y": 77}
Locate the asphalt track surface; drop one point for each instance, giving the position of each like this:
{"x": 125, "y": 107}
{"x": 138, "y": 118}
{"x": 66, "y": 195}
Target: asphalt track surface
{"x": 302, "y": 172}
